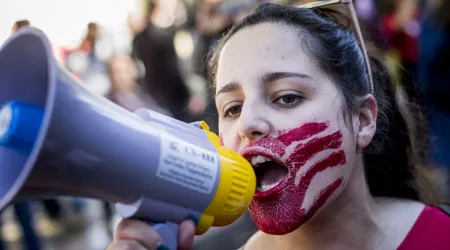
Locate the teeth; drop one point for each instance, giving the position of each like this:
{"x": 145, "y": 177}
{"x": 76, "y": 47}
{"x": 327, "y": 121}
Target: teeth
{"x": 259, "y": 159}
{"x": 266, "y": 187}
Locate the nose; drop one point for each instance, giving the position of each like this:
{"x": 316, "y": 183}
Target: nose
{"x": 253, "y": 125}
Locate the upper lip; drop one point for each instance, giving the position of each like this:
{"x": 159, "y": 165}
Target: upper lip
{"x": 248, "y": 153}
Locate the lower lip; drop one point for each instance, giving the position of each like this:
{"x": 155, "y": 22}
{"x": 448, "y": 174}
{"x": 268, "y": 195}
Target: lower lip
{"x": 273, "y": 191}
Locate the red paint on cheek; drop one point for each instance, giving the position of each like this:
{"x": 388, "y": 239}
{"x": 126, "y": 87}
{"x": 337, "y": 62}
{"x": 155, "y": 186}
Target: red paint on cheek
{"x": 303, "y": 152}
{"x": 277, "y": 145}
{"x": 301, "y": 133}
{"x": 279, "y": 212}
{"x": 323, "y": 197}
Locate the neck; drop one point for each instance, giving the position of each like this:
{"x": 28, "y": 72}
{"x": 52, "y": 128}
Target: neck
{"x": 352, "y": 213}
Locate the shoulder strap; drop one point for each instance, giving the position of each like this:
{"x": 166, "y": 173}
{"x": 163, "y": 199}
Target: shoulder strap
{"x": 445, "y": 208}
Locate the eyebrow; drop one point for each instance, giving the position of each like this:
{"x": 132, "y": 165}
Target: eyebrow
{"x": 274, "y": 76}
{"x": 230, "y": 87}
{"x": 265, "y": 78}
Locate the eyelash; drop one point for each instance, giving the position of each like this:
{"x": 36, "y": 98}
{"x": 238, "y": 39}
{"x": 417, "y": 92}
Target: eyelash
{"x": 227, "y": 111}
{"x": 298, "y": 99}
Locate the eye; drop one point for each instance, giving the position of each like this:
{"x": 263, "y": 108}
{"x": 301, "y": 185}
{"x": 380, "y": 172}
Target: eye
{"x": 289, "y": 100}
{"x": 233, "y": 111}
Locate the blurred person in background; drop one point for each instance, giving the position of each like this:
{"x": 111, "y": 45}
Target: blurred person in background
{"x": 434, "y": 79}
{"x": 91, "y": 53}
{"x": 163, "y": 80}
{"x": 400, "y": 28}
{"x": 87, "y": 62}
{"x": 90, "y": 39}
{"x": 125, "y": 91}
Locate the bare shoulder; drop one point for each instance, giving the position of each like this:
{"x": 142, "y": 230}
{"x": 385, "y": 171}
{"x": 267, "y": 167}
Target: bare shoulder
{"x": 397, "y": 217}
{"x": 259, "y": 240}
{"x": 400, "y": 210}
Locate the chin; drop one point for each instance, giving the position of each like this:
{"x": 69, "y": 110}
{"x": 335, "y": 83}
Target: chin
{"x": 284, "y": 222}
{"x": 282, "y": 213}
{"x": 274, "y": 226}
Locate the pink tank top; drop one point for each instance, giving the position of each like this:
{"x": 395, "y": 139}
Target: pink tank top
{"x": 431, "y": 231}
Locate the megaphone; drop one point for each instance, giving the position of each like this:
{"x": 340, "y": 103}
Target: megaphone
{"x": 59, "y": 139}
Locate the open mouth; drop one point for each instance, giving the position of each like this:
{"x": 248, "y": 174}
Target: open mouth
{"x": 269, "y": 173}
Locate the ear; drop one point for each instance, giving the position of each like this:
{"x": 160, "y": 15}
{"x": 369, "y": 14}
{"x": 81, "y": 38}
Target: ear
{"x": 367, "y": 118}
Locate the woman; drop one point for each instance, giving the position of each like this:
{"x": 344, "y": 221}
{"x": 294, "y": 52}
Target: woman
{"x": 338, "y": 169}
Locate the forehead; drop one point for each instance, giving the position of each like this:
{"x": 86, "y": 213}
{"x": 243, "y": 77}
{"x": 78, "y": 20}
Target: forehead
{"x": 266, "y": 47}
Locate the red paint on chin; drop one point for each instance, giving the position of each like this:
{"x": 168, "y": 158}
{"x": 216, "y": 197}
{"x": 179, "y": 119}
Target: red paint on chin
{"x": 278, "y": 210}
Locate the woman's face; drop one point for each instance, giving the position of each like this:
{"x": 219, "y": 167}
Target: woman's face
{"x": 285, "y": 115}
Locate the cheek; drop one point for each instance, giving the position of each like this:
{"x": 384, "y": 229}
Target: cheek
{"x": 229, "y": 139}
{"x": 323, "y": 162}
{"x": 323, "y": 181}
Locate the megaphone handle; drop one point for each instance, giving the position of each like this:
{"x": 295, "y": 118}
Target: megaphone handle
{"x": 168, "y": 232}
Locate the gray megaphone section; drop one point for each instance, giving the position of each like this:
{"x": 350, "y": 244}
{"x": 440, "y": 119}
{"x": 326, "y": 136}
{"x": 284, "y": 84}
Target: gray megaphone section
{"x": 87, "y": 146}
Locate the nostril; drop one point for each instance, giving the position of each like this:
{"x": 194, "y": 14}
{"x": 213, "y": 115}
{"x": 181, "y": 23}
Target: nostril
{"x": 256, "y": 133}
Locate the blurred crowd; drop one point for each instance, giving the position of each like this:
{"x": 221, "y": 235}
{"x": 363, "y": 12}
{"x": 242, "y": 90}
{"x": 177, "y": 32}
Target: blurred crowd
{"x": 165, "y": 70}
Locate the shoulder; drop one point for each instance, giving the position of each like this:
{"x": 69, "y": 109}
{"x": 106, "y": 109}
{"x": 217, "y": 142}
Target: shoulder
{"x": 413, "y": 225}
{"x": 259, "y": 240}
{"x": 396, "y": 218}
{"x": 430, "y": 231}
{"x": 401, "y": 209}
{"x": 402, "y": 213}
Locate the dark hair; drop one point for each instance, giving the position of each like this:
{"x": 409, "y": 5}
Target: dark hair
{"x": 22, "y": 23}
{"x": 441, "y": 14}
{"x": 90, "y": 37}
{"x": 151, "y": 6}
{"x": 92, "y": 25}
{"x": 393, "y": 161}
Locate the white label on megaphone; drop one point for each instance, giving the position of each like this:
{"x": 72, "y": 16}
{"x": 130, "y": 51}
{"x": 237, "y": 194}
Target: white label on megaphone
{"x": 187, "y": 165}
